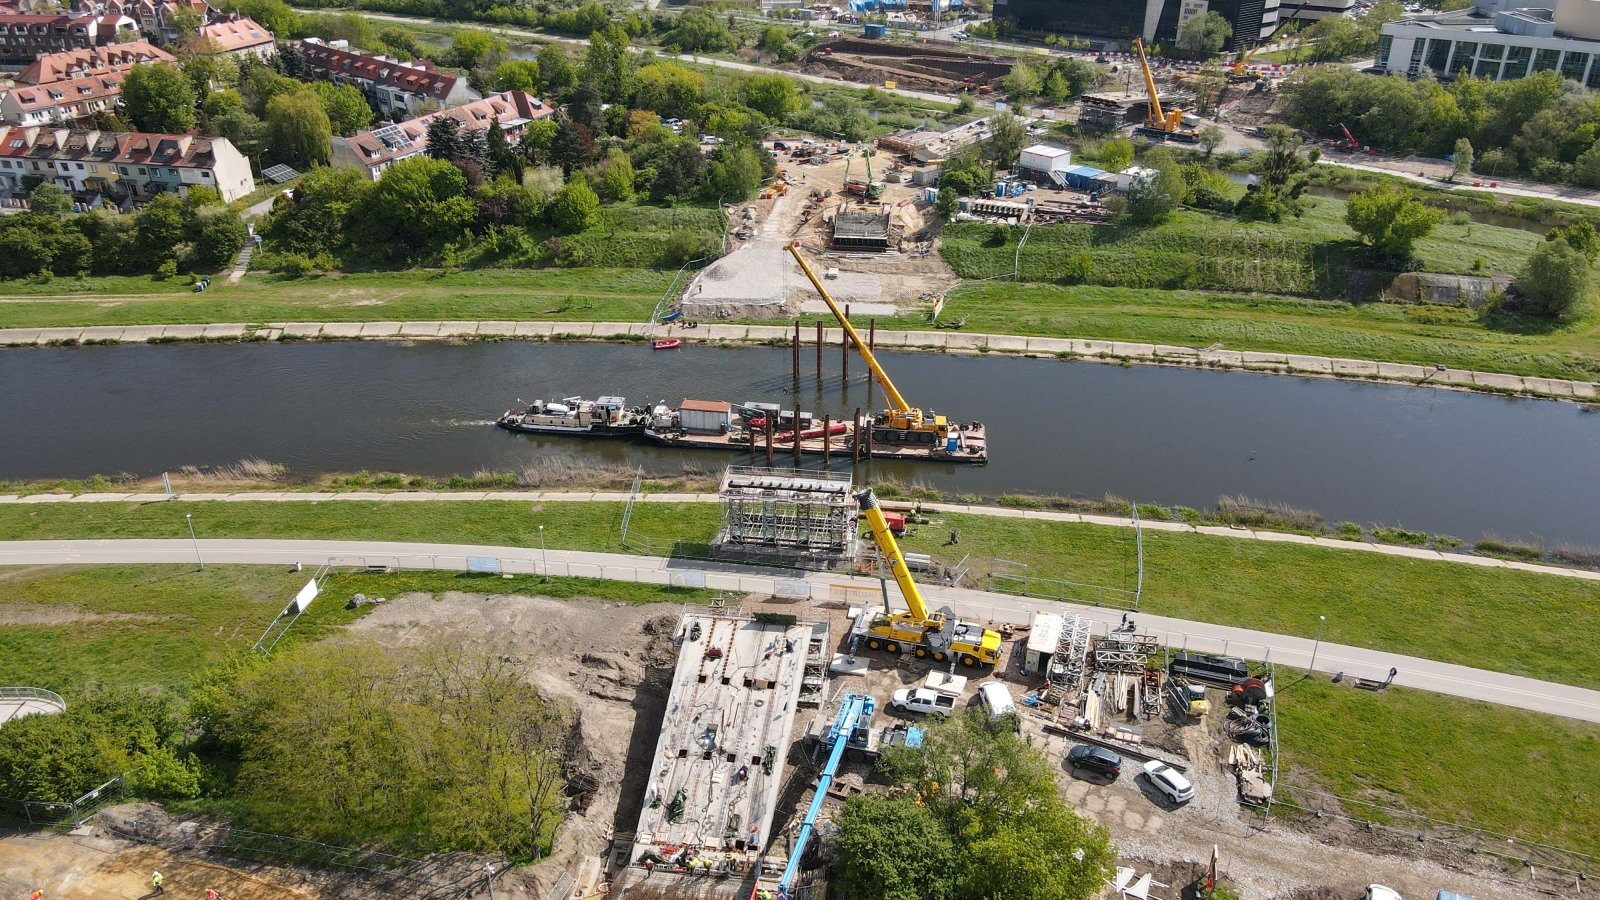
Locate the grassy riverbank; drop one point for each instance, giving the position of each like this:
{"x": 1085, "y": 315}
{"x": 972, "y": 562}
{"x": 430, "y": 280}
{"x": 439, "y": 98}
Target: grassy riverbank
{"x": 1517, "y": 622}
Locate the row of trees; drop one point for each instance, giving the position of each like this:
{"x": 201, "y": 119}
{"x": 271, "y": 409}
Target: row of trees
{"x": 197, "y": 233}
{"x": 1540, "y": 126}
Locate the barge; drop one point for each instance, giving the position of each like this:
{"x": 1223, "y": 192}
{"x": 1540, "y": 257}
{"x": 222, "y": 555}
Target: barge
{"x": 605, "y": 417}
{"x": 719, "y": 425}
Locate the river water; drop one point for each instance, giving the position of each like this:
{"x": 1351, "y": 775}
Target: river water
{"x": 1440, "y": 461}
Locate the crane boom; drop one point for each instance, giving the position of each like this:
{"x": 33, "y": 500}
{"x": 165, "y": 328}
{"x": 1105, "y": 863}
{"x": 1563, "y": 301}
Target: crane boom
{"x": 1157, "y": 117}
{"x": 890, "y": 548}
{"x": 854, "y": 708}
{"x": 896, "y": 402}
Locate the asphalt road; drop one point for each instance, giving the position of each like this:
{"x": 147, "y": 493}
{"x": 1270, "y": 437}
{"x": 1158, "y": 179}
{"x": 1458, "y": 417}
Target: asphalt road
{"x": 1444, "y": 678}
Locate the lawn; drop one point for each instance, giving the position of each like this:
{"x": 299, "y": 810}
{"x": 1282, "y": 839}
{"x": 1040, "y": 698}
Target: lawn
{"x": 1505, "y": 620}
{"x": 581, "y": 295}
{"x": 1518, "y": 773}
{"x": 65, "y": 628}
{"x": 1517, "y": 622}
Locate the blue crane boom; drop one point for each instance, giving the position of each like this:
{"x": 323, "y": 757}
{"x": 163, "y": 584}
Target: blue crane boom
{"x": 852, "y": 711}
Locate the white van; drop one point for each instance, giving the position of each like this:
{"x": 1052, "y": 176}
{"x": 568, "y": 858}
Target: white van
{"x": 997, "y": 702}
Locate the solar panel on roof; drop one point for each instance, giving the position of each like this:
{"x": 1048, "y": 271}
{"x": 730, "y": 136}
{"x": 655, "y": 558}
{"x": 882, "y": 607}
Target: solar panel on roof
{"x": 279, "y": 174}
{"x": 393, "y": 137}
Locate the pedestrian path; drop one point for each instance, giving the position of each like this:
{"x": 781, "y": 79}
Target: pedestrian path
{"x": 1225, "y": 531}
{"x": 943, "y": 341}
{"x": 243, "y": 264}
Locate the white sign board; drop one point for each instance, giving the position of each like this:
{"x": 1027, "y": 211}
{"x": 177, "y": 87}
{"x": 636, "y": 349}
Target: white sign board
{"x": 483, "y": 564}
{"x": 306, "y": 595}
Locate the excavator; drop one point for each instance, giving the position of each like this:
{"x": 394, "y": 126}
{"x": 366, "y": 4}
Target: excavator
{"x": 1160, "y": 123}
{"x": 868, "y": 189}
{"x": 902, "y": 423}
{"x": 938, "y": 636}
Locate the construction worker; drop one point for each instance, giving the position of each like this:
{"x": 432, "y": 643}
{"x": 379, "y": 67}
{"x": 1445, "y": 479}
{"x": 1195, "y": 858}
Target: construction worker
{"x": 38, "y": 894}
{"x": 211, "y": 894}
{"x": 155, "y": 883}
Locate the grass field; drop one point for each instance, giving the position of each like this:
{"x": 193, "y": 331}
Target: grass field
{"x": 1510, "y": 621}
{"x": 1518, "y": 773}
{"x": 64, "y": 628}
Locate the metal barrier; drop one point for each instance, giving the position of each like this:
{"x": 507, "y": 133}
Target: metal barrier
{"x": 67, "y": 814}
{"x": 32, "y": 693}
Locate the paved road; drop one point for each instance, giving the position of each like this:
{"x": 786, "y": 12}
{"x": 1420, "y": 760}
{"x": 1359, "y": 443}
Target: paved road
{"x": 1459, "y": 681}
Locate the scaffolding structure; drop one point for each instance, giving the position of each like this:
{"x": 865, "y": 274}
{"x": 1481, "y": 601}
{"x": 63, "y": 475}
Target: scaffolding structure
{"x": 1067, "y": 666}
{"x": 785, "y": 511}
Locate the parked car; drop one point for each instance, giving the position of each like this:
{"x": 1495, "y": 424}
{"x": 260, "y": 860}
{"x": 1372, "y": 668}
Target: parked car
{"x": 997, "y": 702}
{"x": 923, "y": 700}
{"x": 1096, "y": 759}
{"x": 1172, "y": 784}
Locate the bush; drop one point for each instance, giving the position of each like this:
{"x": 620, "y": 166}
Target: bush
{"x": 1400, "y": 536}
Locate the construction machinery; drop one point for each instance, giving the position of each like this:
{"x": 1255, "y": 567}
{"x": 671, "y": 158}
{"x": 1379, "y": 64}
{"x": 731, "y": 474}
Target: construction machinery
{"x": 1188, "y": 698}
{"x": 855, "y": 709}
{"x": 1162, "y": 124}
{"x": 938, "y": 636}
{"x": 900, "y": 422}
{"x": 868, "y": 189}
{"x": 1238, "y": 73}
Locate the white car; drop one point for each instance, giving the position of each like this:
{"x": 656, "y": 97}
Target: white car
{"x": 1379, "y": 892}
{"x": 1171, "y": 783}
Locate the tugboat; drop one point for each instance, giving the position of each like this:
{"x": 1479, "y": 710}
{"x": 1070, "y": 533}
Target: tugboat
{"x": 605, "y": 417}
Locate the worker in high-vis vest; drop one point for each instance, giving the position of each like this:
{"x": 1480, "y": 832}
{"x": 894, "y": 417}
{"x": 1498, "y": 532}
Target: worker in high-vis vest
{"x": 155, "y": 883}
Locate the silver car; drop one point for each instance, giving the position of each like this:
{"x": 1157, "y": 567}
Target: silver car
{"x": 1169, "y": 781}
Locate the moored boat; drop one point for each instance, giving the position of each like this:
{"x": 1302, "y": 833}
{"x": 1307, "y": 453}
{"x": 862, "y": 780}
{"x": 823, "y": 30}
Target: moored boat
{"x": 605, "y": 417}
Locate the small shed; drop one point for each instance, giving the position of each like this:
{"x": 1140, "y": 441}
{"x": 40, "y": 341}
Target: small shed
{"x": 1041, "y": 161}
{"x": 1043, "y": 636}
{"x": 1082, "y": 178}
{"x": 705, "y": 416}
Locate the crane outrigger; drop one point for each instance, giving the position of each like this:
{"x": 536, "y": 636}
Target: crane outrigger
{"x": 900, "y": 422}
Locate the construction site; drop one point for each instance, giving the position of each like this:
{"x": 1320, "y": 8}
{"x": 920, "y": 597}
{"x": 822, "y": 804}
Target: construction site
{"x": 907, "y": 65}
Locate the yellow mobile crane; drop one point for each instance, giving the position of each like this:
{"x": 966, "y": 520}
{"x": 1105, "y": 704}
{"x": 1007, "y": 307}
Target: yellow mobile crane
{"x": 900, "y": 422}
{"x": 1237, "y": 73}
{"x": 939, "y": 636}
{"x": 1160, "y": 123}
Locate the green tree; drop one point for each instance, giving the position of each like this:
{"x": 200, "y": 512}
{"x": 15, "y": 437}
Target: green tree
{"x": 774, "y": 96}
{"x": 1580, "y": 236}
{"x": 517, "y": 75}
{"x": 1046, "y": 853}
{"x": 49, "y": 199}
{"x": 616, "y": 176}
{"x": 506, "y": 203}
{"x": 574, "y": 208}
{"x": 1585, "y": 169}
{"x": 948, "y": 203}
{"x": 965, "y": 104}
{"x": 186, "y": 21}
{"x": 1211, "y": 137}
{"x": 669, "y": 89}
{"x": 607, "y": 65}
{"x": 556, "y": 72}
{"x": 420, "y": 205}
{"x": 1022, "y": 83}
{"x": 161, "y": 228}
{"x": 321, "y": 217}
{"x": 1204, "y": 35}
{"x": 699, "y": 31}
{"x": 1153, "y": 197}
{"x": 401, "y": 43}
{"x": 216, "y": 233}
{"x": 734, "y": 173}
{"x": 298, "y": 130}
{"x": 276, "y": 16}
{"x": 1461, "y": 159}
{"x": 1116, "y": 154}
{"x": 1555, "y": 281}
{"x": 891, "y": 849}
{"x": 470, "y": 49}
{"x": 1338, "y": 37}
{"x": 347, "y": 109}
{"x": 157, "y": 97}
{"x": 1007, "y": 134}
{"x": 1391, "y": 220}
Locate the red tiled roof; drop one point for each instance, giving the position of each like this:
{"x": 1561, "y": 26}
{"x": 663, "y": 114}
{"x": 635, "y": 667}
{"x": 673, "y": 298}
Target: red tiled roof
{"x": 62, "y": 93}
{"x": 238, "y": 34}
{"x": 411, "y": 77}
{"x": 513, "y": 108}
{"x": 59, "y": 66}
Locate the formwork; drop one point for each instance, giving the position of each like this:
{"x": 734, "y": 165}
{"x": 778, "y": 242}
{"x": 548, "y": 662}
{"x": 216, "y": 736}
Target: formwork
{"x": 861, "y": 230}
{"x": 786, "y": 516}
{"x": 718, "y": 766}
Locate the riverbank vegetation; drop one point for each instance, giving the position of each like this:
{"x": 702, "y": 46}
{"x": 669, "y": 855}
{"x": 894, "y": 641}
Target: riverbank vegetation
{"x": 1391, "y": 603}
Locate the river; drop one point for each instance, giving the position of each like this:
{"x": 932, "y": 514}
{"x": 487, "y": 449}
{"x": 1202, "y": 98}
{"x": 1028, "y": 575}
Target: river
{"x": 1463, "y": 464}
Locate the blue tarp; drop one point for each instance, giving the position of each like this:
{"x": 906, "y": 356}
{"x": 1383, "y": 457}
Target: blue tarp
{"x": 1082, "y": 177}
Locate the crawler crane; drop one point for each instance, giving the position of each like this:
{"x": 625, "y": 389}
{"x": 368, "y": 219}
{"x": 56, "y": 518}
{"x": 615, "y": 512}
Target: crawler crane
{"x": 1161, "y": 123}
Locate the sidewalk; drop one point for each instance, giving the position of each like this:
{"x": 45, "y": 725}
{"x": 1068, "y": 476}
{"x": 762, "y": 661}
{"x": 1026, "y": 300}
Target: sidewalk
{"x": 1236, "y": 533}
{"x": 947, "y": 341}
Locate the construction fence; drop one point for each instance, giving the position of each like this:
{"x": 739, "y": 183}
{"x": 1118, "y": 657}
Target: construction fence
{"x": 63, "y": 814}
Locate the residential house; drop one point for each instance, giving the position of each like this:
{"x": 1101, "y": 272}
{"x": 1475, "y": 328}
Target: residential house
{"x": 398, "y": 89}
{"x": 62, "y": 102}
{"x": 70, "y": 64}
{"x": 25, "y": 37}
{"x": 155, "y": 18}
{"x": 376, "y": 150}
{"x": 238, "y": 36}
{"x": 120, "y": 165}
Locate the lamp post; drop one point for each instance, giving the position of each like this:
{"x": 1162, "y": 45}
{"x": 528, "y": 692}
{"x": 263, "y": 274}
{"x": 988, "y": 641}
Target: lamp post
{"x": 544, "y": 565}
{"x": 189, "y": 519}
{"x": 1321, "y": 620}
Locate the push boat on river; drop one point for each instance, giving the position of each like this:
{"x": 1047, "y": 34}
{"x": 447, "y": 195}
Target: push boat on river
{"x": 605, "y": 417}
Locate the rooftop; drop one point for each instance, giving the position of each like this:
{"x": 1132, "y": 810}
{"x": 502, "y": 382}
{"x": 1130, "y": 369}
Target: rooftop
{"x": 417, "y": 78}
{"x": 237, "y": 34}
{"x": 89, "y": 60}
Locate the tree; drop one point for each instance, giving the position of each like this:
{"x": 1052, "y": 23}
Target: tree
{"x": 216, "y": 233}
{"x": 1391, "y": 220}
{"x": 1581, "y": 236}
{"x": 571, "y": 146}
{"x": 775, "y": 40}
{"x": 346, "y": 107}
{"x": 891, "y": 849}
{"x": 470, "y": 48}
{"x": 1211, "y": 137}
{"x": 1338, "y": 37}
{"x": 321, "y": 216}
{"x": 1153, "y": 197}
{"x": 419, "y": 206}
{"x": 401, "y": 43}
{"x": 276, "y": 16}
{"x": 607, "y": 65}
{"x": 517, "y": 75}
{"x": 556, "y": 72}
{"x": 616, "y": 176}
{"x": 1555, "y": 280}
{"x": 1116, "y": 154}
{"x": 1022, "y": 83}
{"x": 49, "y": 199}
{"x": 679, "y": 169}
{"x": 1585, "y": 169}
{"x": 1204, "y": 35}
{"x": 574, "y": 208}
{"x": 1047, "y": 852}
{"x": 774, "y": 96}
{"x": 1461, "y": 159}
{"x": 948, "y": 203}
{"x": 247, "y": 133}
{"x": 444, "y": 138}
{"x": 669, "y": 89}
{"x": 184, "y": 20}
{"x": 1007, "y": 134}
{"x": 699, "y": 31}
{"x": 157, "y": 97}
{"x": 965, "y": 104}
{"x": 734, "y": 173}
{"x": 298, "y": 131}
{"x": 507, "y": 203}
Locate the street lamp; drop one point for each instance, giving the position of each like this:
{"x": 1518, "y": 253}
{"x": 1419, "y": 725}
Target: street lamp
{"x": 544, "y": 566}
{"x": 489, "y": 867}
{"x": 1321, "y": 620}
{"x": 189, "y": 518}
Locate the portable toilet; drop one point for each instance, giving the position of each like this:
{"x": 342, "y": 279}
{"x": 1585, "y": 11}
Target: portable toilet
{"x": 874, "y": 30}
{"x": 930, "y": 195}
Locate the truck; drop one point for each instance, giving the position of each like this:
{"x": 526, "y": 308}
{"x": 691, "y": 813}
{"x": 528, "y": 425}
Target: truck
{"x": 923, "y": 700}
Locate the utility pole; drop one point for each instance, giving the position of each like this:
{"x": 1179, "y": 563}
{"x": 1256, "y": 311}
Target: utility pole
{"x": 544, "y": 575}
{"x": 1321, "y": 620}
{"x": 188, "y": 518}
